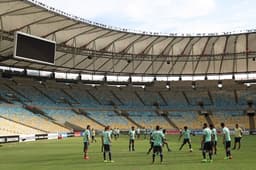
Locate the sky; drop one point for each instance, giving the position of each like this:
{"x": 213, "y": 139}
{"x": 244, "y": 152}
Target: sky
{"x": 165, "y": 16}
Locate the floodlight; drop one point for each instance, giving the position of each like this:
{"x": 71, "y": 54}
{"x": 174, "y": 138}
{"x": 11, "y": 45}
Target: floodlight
{"x": 220, "y": 85}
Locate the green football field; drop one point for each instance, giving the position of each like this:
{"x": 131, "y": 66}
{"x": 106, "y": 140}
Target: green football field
{"x": 67, "y": 154}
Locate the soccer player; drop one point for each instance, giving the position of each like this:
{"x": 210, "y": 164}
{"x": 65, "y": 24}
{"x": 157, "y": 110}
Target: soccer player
{"x": 138, "y": 132}
{"x": 214, "y": 139}
{"x": 118, "y": 132}
{"x": 226, "y": 141}
{"x": 106, "y": 142}
{"x": 131, "y": 134}
{"x": 165, "y": 141}
{"x": 86, "y": 139}
{"x": 145, "y": 132}
{"x": 186, "y": 138}
{"x": 158, "y": 138}
{"x": 115, "y": 133}
{"x": 207, "y": 143}
{"x": 238, "y": 136}
{"x": 93, "y": 135}
{"x": 151, "y": 142}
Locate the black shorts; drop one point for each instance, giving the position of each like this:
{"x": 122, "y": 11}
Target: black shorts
{"x": 227, "y": 144}
{"x": 207, "y": 146}
{"x": 214, "y": 143}
{"x": 106, "y": 147}
{"x": 86, "y": 145}
{"x": 186, "y": 141}
{"x": 237, "y": 139}
{"x": 152, "y": 144}
{"x": 131, "y": 141}
{"x": 157, "y": 149}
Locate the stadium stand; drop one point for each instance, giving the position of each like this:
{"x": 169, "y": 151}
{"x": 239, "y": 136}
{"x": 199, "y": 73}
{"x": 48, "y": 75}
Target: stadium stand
{"x": 58, "y": 107}
{"x": 36, "y": 97}
{"x": 148, "y": 119}
{"x": 230, "y": 118}
{"x": 245, "y": 95}
{"x": 179, "y": 102}
{"x": 82, "y": 96}
{"x": 23, "y": 116}
{"x": 67, "y": 115}
{"x": 105, "y": 96}
{"x": 9, "y": 127}
{"x": 128, "y": 97}
{"x": 110, "y": 118}
{"x": 224, "y": 99}
{"x": 183, "y": 118}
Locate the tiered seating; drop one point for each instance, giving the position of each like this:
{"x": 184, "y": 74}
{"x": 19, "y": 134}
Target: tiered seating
{"x": 151, "y": 98}
{"x": 110, "y": 118}
{"x": 186, "y": 118}
{"x": 242, "y": 120}
{"x": 57, "y": 95}
{"x": 7, "y": 132}
{"x": 175, "y": 100}
{"x": 8, "y": 127}
{"x": 246, "y": 95}
{"x": 21, "y": 115}
{"x": 83, "y": 97}
{"x": 105, "y": 96}
{"x": 148, "y": 119}
{"x": 34, "y": 95}
{"x": 67, "y": 115}
{"x": 198, "y": 124}
{"x": 59, "y": 99}
{"x": 128, "y": 97}
{"x": 230, "y": 118}
{"x": 10, "y": 94}
{"x": 224, "y": 99}
{"x": 218, "y": 117}
{"x": 197, "y": 96}
{"x": 237, "y": 117}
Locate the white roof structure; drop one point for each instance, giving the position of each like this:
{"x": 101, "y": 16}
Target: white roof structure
{"x": 87, "y": 47}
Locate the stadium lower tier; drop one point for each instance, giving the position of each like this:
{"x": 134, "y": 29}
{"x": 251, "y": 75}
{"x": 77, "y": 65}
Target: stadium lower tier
{"x": 19, "y": 120}
{"x": 30, "y": 107}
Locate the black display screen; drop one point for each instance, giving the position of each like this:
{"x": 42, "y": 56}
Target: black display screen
{"x": 34, "y": 48}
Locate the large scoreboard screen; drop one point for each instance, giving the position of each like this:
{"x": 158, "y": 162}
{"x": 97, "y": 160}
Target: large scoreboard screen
{"x": 32, "y": 48}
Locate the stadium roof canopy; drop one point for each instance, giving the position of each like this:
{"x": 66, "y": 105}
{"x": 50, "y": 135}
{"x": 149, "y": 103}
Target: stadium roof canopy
{"x": 88, "y": 47}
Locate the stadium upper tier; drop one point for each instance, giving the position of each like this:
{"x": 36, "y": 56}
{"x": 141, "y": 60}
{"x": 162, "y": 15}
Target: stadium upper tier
{"x": 180, "y": 95}
{"x": 85, "y": 46}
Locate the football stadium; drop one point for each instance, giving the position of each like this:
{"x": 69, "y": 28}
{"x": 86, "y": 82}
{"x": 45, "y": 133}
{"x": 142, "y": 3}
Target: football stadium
{"x": 60, "y": 73}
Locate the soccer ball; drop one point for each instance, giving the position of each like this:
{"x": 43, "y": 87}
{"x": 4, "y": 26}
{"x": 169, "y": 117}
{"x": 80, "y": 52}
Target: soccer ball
{"x": 191, "y": 150}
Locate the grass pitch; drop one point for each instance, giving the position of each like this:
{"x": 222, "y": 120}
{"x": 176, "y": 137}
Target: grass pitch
{"x": 67, "y": 154}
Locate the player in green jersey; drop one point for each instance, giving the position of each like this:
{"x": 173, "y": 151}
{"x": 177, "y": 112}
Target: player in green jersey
{"x": 158, "y": 138}
{"x": 86, "y": 139}
{"x": 165, "y": 143}
{"x": 207, "y": 143}
{"x": 106, "y": 142}
{"x": 186, "y": 138}
{"x": 226, "y": 141}
{"x": 214, "y": 138}
{"x": 131, "y": 134}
